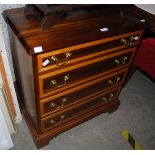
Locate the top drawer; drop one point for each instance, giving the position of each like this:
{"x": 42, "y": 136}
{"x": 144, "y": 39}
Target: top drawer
{"x": 74, "y": 54}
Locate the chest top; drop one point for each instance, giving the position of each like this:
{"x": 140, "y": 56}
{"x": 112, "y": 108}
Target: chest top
{"x": 64, "y": 27}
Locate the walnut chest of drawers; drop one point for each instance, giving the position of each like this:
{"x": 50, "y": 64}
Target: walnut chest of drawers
{"x": 73, "y": 70}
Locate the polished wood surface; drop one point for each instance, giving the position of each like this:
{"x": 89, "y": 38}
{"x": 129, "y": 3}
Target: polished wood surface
{"x": 89, "y": 83}
{"x": 67, "y": 100}
{"x": 103, "y": 65}
{"x": 79, "y": 70}
{"x": 85, "y": 51}
{"x": 76, "y": 25}
{"x": 61, "y": 117}
{"x": 24, "y": 75}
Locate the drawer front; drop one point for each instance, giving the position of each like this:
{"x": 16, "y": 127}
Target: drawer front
{"x": 61, "y": 117}
{"x": 51, "y": 84}
{"x": 54, "y": 105}
{"x": 72, "y": 55}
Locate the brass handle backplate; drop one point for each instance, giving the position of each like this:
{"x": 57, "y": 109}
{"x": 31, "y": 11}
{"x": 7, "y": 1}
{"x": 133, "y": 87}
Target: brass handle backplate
{"x": 125, "y": 42}
{"x": 114, "y": 81}
{"x": 104, "y": 98}
{"x": 58, "y": 63}
{"x": 120, "y": 61}
{"x": 110, "y": 82}
{"x": 130, "y": 41}
{"x": 53, "y": 122}
{"x": 62, "y": 117}
{"x": 63, "y": 101}
{"x": 108, "y": 98}
{"x": 124, "y": 59}
{"x": 52, "y": 105}
{"x": 54, "y": 83}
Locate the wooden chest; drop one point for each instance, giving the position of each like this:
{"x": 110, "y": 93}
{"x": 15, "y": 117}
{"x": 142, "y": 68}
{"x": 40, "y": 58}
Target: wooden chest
{"x": 72, "y": 70}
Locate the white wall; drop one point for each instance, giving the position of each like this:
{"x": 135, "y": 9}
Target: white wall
{"x": 147, "y": 7}
{"x": 9, "y": 75}
{"x": 5, "y": 109}
{"x": 5, "y": 32}
{"x": 5, "y": 138}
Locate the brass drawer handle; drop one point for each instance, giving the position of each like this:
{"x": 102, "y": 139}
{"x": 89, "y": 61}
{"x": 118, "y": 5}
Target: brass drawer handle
{"x": 125, "y": 42}
{"x": 117, "y": 62}
{"x": 63, "y": 101}
{"x": 62, "y": 117}
{"x": 115, "y": 81}
{"x": 133, "y": 38}
{"x": 52, "y": 105}
{"x": 111, "y": 95}
{"x": 105, "y": 99}
{"x": 52, "y": 121}
{"x": 110, "y": 82}
{"x": 54, "y": 83}
{"x": 56, "y": 60}
{"x": 122, "y": 61}
{"x": 66, "y": 78}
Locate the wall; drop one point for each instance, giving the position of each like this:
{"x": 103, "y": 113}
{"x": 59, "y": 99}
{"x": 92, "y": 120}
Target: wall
{"x": 5, "y": 33}
{"x": 5, "y": 108}
{"x": 7, "y": 58}
{"x": 5, "y": 138}
{"x": 147, "y": 7}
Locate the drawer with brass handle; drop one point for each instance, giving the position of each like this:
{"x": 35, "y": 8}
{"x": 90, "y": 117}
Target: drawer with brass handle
{"x": 70, "y": 56}
{"x": 130, "y": 41}
{"x": 61, "y": 117}
{"x": 54, "y": 83}
{"x": 49, "y": 106}
{"x": 55, "y": 60}
{"x": 51, "y": 84}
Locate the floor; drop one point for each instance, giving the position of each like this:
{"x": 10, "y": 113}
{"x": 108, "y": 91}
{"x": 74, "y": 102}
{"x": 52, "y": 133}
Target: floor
{"x": 136, "y": 113}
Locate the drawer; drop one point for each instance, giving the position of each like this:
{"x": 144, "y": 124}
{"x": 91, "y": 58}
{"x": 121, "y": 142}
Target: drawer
{"x": 72, "y": 55}
{"x": 68, "y": 114}
{"x": 50, "y": 83}
{"x": 49, "y": 106}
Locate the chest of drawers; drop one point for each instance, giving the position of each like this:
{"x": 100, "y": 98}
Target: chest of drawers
{"x": 72, "y": 71}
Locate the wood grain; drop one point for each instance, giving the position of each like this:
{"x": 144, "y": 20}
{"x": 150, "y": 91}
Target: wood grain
{"x": 97, "y": 51}
{"x": 76, "y": 110}
{"x": 103, "y": 59}
{"x": 94, "y": 61}
{"x": 81, "y": 93}
{"x": 76, "y": 25}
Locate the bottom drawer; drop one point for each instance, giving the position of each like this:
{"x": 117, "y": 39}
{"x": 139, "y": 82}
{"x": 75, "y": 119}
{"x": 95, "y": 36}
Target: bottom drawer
{"x": 63, "y": 116}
